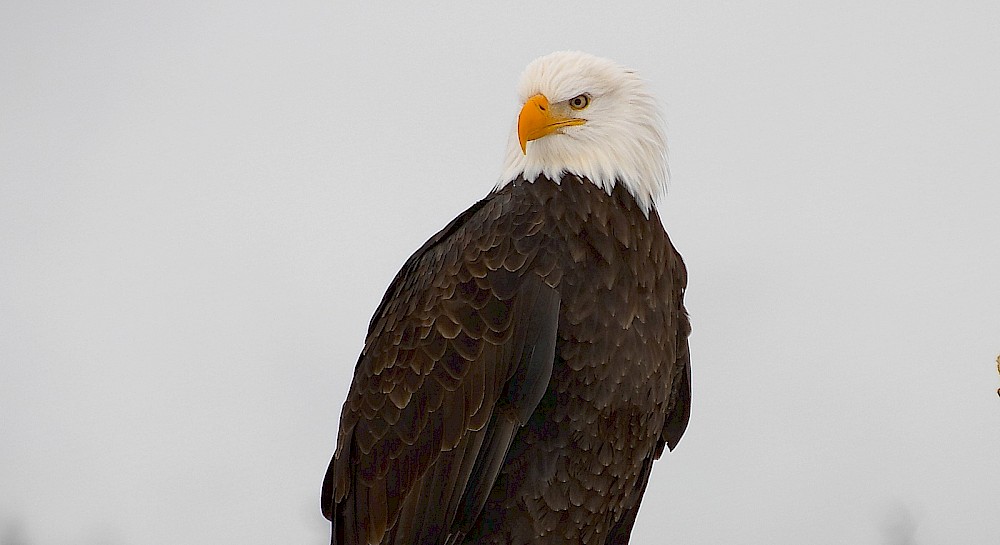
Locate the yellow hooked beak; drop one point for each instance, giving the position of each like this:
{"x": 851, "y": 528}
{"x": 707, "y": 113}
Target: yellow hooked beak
{"x": 538, "y": 120}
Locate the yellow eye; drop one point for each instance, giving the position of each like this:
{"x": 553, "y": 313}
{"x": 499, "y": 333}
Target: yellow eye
{"x": 579, "y": 102}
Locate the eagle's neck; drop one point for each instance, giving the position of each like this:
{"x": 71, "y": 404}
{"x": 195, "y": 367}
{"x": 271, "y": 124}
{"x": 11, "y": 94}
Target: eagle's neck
{"x": 637, "y": 162}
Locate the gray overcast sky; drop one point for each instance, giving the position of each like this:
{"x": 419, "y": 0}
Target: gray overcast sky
{"x": 201, "y": 204}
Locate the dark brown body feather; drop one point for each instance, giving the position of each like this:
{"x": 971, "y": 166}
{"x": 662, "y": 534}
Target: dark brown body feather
{"x": 523, "y": 371}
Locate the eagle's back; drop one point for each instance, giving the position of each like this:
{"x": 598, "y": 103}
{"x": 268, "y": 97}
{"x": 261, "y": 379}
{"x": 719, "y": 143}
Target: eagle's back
{"x": 521, "y": 374}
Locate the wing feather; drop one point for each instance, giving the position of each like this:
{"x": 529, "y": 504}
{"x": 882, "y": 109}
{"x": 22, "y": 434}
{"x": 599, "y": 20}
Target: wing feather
{"x": 679, "y": 409}
{"x": 459, "y": 353}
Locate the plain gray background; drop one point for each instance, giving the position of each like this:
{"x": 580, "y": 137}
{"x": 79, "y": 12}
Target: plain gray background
{"x": 201, "y": 204}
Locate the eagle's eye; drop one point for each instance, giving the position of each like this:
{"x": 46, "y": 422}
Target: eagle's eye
{"x": 579, "y": 102}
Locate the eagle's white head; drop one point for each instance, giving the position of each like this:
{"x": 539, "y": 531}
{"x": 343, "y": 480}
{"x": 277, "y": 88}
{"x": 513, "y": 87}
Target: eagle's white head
{"x": 590, "y": 117}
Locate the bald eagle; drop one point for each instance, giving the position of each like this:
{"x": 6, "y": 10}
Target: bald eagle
{"x": 530, "y": 361}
